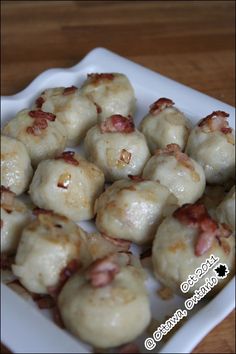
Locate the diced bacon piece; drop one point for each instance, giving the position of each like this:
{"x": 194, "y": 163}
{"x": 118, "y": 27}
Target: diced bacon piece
{"x": 125, "y": 156}
{"x": 161, "y": 104}
{"x": 101, "y": 272}
{"x": 72, "y": 267}
{"x": 40, "y": 123}
{"x": 64, "y": 180}
{"x": 41, "y": 114}
{"x": 68, "y": 156}
{"x": 96, "y": 78}
{"x": 170, "y": 149}
{"x": 118, "y": 124}
{"x": 174, "y": 150}
{"x": 204, "y": 243}
{"x": 136, "y": 178}
{"x": 39, "y": 102}
{"x": 216, "y": 121}
{"x": 196, "y": 216}
{"x": 39, "y": 211}
{"x": 44, "y": 301}
{"x": 69, "y": 90}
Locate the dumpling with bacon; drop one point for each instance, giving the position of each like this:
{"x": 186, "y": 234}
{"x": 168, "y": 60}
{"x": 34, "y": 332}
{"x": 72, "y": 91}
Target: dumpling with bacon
{"x": 117, "y": 147}
{"x": 14, "y": 217}
{"x": 132, "y": 209}
{"x": 211, "y": 144}
{"x": 52, "y": 248}
{"x": 107, "y": 305}
{"x": 165, "y": 124}
{"x": 49, "y": 248}
{"x": 75, "y": 111}
{"x": 16, "y": 170}
{"x": 111, "y": 92}
{"x": 68, "y": 185}
{"x": 184, "y": 241}
{"x": 41, "y": 133}
{"x": 183, "y": 176}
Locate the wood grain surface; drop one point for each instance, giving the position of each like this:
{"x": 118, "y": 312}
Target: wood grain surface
{"x": 189, "y": 41}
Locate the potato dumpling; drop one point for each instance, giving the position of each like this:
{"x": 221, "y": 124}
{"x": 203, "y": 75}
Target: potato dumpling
{"x": 211, "y": 144}
{"x": 41, "y": 133}
{"x": 183, "y": 176}
{"x": 133, "y": 209}
{"x": 48, "y": 245}
{"x": 16, "y": 170}
{"x": 75, "y": 111}
{"x": 117, "y": 148}
{"x": 184, "y": 241}
{"x": 107, "y": 305}
{"x": 68, "y": 185}
{"x": 165, "y": 124}
{"x": 111, "y": 92}
{"x": 14, "y": 216}
{"x": 225, "y": 212}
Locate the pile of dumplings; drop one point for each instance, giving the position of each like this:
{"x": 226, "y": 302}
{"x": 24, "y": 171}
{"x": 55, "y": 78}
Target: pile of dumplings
{"x": 154, "y": 185}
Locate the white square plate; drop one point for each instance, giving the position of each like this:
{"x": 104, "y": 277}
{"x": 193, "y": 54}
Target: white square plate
{"x": 25, "y": 329}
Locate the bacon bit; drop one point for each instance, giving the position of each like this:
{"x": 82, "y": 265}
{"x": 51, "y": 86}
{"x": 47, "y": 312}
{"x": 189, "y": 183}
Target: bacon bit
{"x": 136, "y": 178}
{"x": 41, "y": 114}
{"x": 72, "y": 267}
{"x": 39, "y": 211}
{"x": 102, "y": 271}
{"x": 96, "y": 78}
{"x": 6, "y": 262}
{"x": 129, "y": 348}
{"x": 99, "y": 109}
{"x": 117, "y": 124}
{"x": 39, "y": 102}
{"x": 181, "y": 157}
{"x": 196, "y": 216}
{"x": 44, "y": 301}
{"x": 125, "y": 156}
{"x": 64, "y": 181}
{"x": 40, "y": 123}
{"x": 160, "y": 105}
{"x": 216, "y": 121}
{"x": 226, "y": 130}
{"x": 147, "y": 253}
{"x": 124, "y": 244}
{"x": 57, "y": 317}
{"x": 169, "y": 150}
{"x": 69, "y": 90}
{"x": 68, "y": 156}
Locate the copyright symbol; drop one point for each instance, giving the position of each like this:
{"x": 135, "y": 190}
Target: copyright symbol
{"x": 149, "y": 343}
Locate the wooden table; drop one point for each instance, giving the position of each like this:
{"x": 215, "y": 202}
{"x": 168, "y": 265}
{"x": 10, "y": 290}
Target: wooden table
{"x": 191, "y": 42}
